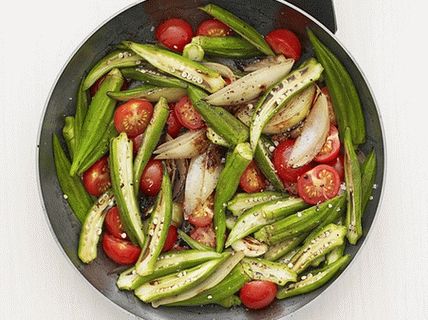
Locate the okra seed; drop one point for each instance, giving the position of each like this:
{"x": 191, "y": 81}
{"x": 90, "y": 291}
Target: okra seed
{"x": 209, "y": 297}
{"x": 65, "y": 196}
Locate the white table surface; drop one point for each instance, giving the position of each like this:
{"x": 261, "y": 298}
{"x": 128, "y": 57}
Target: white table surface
{"x": 389, "y": 280}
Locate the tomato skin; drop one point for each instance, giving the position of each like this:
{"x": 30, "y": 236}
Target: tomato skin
{"x": 136, "y": 143}
{"x": 319, "y": 184}
{"x": 258, "y": 294}
{"x": 174, "y": 33}
{"x": 252, "y": 180}
{"x": 283, "y": 41}
{"x": 338, "y": 165}
{"x": 173, "y": 124}
{"x": 204, "y": 235}
{"x": 151, "y": 179}
{"x": 280, "y": 160}
{"x": 97, "y": 178}
{"x": 187, "y": 114}
{"x": 203, "y": 215}
{"x": 213, "y": 28}
{"x": 114, "y": 225}
{"x": 133, "y": 117}
{"x": 120, "y": 251}
{"x": 331, "y": 147}
{"x": 171, "y": 238}
{"x": 96, "y": 86}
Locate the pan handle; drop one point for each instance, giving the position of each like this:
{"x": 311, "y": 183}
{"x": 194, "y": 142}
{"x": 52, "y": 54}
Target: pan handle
{"x": 322, "y": 10}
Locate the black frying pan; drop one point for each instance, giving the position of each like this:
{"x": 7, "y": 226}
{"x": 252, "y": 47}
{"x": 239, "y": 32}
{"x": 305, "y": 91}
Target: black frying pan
{"x": 135, "y": 23}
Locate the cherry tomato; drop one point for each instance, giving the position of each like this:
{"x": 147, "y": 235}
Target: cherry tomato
{"x": 202, "y": 216}
{"x": 173, "y": 125}
{"x": 96, "y": 86}
{"x": 187, "y": 115}
{"x": 331, "y": 147}
{"x": 291, "y": 187}
{"x": 227, "y": 80}
{"x": 319, "y": 184}
{"x": 331, "y": 114}
{"x": 133, "y": 117}
{"x": 338, "y": 165}
{"x": 136, "y": 143}
{"x": 213, "y": 28}
{"x": 258, "y": 294}
{"x": 174, "y": 34}
{"x": 120, "y": 251}
{"x": 285, "y": 42}
{"x": 252, "y": 180}
{"x": 97, "y": 178}
{"x": 113, "y": 224}
{"x": 151, "y": 179}
{"x": 280, "y": 160}
{"x": 204, "y": 235}
{"x": 171, "y": 238}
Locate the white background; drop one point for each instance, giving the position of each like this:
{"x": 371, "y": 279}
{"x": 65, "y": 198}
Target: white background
{"x": 389, "y": 280}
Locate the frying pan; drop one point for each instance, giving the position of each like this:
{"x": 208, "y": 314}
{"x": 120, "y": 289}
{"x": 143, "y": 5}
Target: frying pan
{"x": 136, "y": 23}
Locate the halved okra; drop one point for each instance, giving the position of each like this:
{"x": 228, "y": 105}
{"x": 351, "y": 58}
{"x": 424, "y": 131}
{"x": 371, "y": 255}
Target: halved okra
{"x": 68, "y": 134}
{"x": 153, "y": 78}
{"x": 264, "y": 214}
{"x": 178, "y": 66}
{"x": 150, "y": 93}
{"x": 217, "y": 139}
{"x": 193, "y": 51}
{"x": 280, "y": 249}
{"x": 160, "y": 221}
{"x": 193, "y": 243}
{"x": 335, "y": 254}
{"x": 314, "y": 279}
{"x": 92, "y": 227}
{"x": 226, "y": 47}
{"x": 262, "y": 269}
{"x": 167, "y": 263}
{"x": 244, "y": 201}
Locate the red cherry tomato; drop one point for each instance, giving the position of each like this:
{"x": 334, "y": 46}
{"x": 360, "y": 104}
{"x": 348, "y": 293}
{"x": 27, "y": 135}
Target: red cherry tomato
{"x": 120, "y": 251}
{"x": 96, "y": 86}
{"x": 113, "y": 224}
{"x": 252, "y": 180}
{"x": 174, "y": 34}
{"x": 97, "y": 178}
{"x": 331, "y": 147}
{"x": 202, "y": 216}
{"x": 285, "y": 42}
{"x": 213, "y": 28}
{"x": 171, "y": 238}
{"x": 319, "y": 184}
{"x": 133, "y": 117}
{"x": 227, "y": 80}
{"x": 204, "y": 235}
{"x": 187, "y": 114}
{"x": 258, "y": 294}
{"x": 173, "y": 125}
{"x": 280, "y": 160}
{"x": 151, "y": 179}
{"x": 331, "y": 114}
{"x": 136, "y": 143}
{"x": 338, "y": 165}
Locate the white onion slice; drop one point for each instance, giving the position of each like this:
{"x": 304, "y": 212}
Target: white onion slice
{"x": 269, "y": 61}
{"x": 185, "y": 146}
{"x": 223, "y": 70}
{"x": 250, "y": 247}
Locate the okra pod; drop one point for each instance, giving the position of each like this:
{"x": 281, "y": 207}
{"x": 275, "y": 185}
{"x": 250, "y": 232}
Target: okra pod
{"x": 153, "y": 78}
{"x": 81, "y": 110}
{"x": 353, "y": 190}
{"x": 192, "y": 242}
{"x": 92, "y": 227}
{"x": 149, "y": 93}
{"x": 229, "y": 302}
{"x": 244, "y": 201}
{"x": 262, "y": 269}
{"x": 250, "y": 247}
{"x": 314, "y": 279}
{"x": 100, "y": 113}
{"x": 368, "y": 176}
{"x": 226, "y": 47}
{"x": 158, "y": 229}
{"x": 68, "y": 133}
{"x": 217, "y": 139}
{"x": 178, "y": 66}
{"x": 150, "y": 140}
{"x": 228, "y": 182}
{"x": 280, "y": 249}
{"x": 194, "y": 52}
{"x": 121, "y": 179}
{"x": 72, "y": 187}
{"x": 335, "y": 254}
{"x": 115, "y": 59}
{"x": 238, "y": 25}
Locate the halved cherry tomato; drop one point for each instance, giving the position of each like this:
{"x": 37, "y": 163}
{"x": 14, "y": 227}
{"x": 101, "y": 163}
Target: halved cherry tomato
{"x": 252, "y": 180}
{"x": 187, "y": 114}
{"x": 213, "y": 28}
{"x": 319, "y": 184}
{"x": 113, "y": 224}
{"x": 331, "y": 147}
{"x": 173, "y": 125}
{"x": 204, "y": 235}
{"x": 331, "y": 114}
{"x": 171, "y": 238}
{"x": 285, "y": 42}
{"x": 133, "y": 117}
{"x": 280, "y": 160}
{"x": 136, "y": 143}
{"x": 338, "y": 165}
{"x": 96, "y": 86}
{"x": 203, "y": 215}
{"x": 120, "y": 251}
{"x": 97, "y": 178}
{"x": 174, "y": 33}
{"x": 151, "y": 179}
{"x": 258, "y": 294}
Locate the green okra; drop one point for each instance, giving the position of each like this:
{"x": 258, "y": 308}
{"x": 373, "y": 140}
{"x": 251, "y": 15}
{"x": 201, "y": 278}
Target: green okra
{"x": 150, "y": 140}
{"x": 92, "y": 228}
{"x": 250, "y": 247}
{"x": 265, "y": 270}
{"x": 68, "y": 134}
{"x": 177, "y": 214}
{"x": 193, "y": 51}
{"x": 115, "y": 59}
{"x": 238, "y": 25}
{"x": 226, "y": 47}
{"x": 217, "y": 139}
{"x": 353, "y": 190}
{"x": 244, "y": 201}
{"x": 82, "y": 103}
{"x": 178, "y": 66}
{"x": 153, "y": 78}
{"x": 72, "y": 187}
{"x": 335, "y": 254}
{"x": 228, "y": 183}
{"x": 229, "y": 302}
{"x": 314, "y": 279}
{"x": 192, "y": 242}
{"x": 150, "y": 93}
{"x": 368, "y": 176}
{"x": 280, "y": 249}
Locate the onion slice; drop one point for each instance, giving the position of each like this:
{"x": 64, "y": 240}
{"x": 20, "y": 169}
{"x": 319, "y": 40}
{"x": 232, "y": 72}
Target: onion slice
{"x": 313, "y": 136}
{"x": 185, "y": 146}
{"x": 223, "y": 70}
{"x": 250, "y": 247}
{"x": 262, "y": 63}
